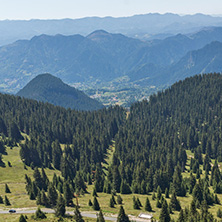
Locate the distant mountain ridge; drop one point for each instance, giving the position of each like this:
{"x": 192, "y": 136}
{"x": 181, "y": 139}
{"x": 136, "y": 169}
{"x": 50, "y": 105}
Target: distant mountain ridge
{"x": 47, "y": 88}
{"x": 147, "y": 26}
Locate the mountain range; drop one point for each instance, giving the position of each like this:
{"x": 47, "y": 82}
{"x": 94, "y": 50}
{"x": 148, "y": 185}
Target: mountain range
{"x": 101, "y": 57}
{"x": 147, "y": 26}
{"x": 47, "y": 88}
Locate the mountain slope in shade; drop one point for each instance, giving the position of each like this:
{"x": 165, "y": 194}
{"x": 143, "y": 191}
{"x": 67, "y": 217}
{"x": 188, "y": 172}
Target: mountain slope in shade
{"x": 47, "y": 88}
{"x": 205, "y": 60}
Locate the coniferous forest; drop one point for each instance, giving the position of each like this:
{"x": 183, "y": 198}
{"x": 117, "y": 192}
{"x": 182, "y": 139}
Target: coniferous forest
{"x": 151, "y": 146}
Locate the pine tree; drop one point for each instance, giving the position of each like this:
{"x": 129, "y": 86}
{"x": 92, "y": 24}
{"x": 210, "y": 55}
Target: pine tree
{"x": 94, "y": 194}
{"x": 38, "y": 198}
{"x": 37, "y": 178}
{"x": 52, "y": 195}
{"x": 122, "y": 217}
{"x": 116, "y": 179}
{"x": 14, "y": 132}
{"x": 89, "y": 179}
{"x": 7, "y": 203}
{"x": 34, "y": 189}
{"x": 68, "y": 195}
{"x": 125, "y": 188}
{"x": 77, "y": 215}
{"x": 111, "y": 203}
{"x": 219, "y": 213}
{"x": 177, "y": 182}
{"x": 56, "y": 154}
{"x": 153, "y": 196}
{"x": 138, "y": 201}
{"x": 44, "y": 199}
{"x": 166, "y": 193}
{"x": 1, "y": 200}
{"x": 95, "y": 204}
{"x": 158, "y": 203}
{"x": 90, "y": 203}
{"x": 31, "y": 195}
{"x": 159, "y": 192}
{"x": 3, "y": 128}
{"x": 174, "y": 202}
{"x": 148, "y": 205}
{"x": 114, "y": 201}
{"x": 7, "y": 190}
{"x": 60, "y": 207}
{"x": 45, "y": 180}
{"x": 100, "y": 217}
{"x": 164, "y": 213}
{"x": 99, "y": 178}
{"x": 216, "y": 199}
{"x": 136, "y": 205}
{"x": 119, "y": 199}
{"x": 193, "y": 209}
{"x": 39, "y": 214}
{"x": 22, "y": 218}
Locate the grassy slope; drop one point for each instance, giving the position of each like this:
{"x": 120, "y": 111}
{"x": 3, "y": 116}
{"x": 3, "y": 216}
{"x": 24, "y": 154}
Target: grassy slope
{"x": 14, "y": 177}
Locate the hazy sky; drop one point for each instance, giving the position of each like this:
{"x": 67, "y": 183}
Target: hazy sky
{"x": 45, "y": 9}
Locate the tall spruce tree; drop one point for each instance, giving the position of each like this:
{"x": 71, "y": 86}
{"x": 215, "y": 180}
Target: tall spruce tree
{"x": 68, "y": 195}
{"x": 99, "y": 178}
{"x": 111, "y": 203}
{"x": 52, "y": 194}
{"x": 37, "y": 178}
{"x": 122, "y": 217}
{"x": 77, "y": 215}
{"x": 95, "y": 204}
{"x": 45, "y": 180}
{"x": 116, "y": 179}
{"x": 100, "y": 217}
{"x": 22, "y": 218}
{"x": 174, "y": 202}
{"x": 39, "y": 214}
{"x": 119, "y": 199}
{"x": 7, "y": 190}
{"x": 44, "y": 199}
{"x": 164, "y": 213}
{"x": 148, "y": 205}
{"x": 1, "y": 200}
{"x": 60, "y": 207}
{"x": 14, "y": 132}
{"x": 7, "y": 202}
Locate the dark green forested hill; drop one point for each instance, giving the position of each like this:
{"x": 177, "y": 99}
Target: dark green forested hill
{"x": 87, "y": 135}
{"x": 47, "y": 88}
{"x": 150, "y": 152}
{"x": 157, "y": 133}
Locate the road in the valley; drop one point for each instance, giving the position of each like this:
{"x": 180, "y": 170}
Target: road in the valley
{"x": 84, "y": 214}
{"x": 50, "y": 211}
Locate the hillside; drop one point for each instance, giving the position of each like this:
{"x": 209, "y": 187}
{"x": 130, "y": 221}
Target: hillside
{"x": 205, "y": 60}
{"x": 47, "y": 88}
{"x": 168, "y": 149}
{"x": 150, "y": 149}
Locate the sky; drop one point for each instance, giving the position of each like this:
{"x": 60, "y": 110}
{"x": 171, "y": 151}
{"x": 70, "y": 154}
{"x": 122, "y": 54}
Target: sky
{"x": 57, "y": 9}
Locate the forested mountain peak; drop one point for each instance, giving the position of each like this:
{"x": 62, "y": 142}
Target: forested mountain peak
{"x": 48, "y": 88}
